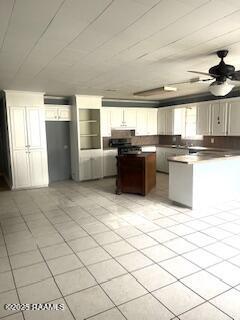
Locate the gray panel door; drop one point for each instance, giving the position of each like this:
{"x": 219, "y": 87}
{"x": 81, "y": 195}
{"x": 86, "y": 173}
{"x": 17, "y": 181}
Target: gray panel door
{"x": 58, "y": 148}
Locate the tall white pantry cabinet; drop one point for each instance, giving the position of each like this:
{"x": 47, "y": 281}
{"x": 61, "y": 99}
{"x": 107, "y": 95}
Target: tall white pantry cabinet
{"x": 27, "y": 136}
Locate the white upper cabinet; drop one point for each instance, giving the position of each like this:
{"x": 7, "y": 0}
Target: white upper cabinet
{"x": 35, "y": 128}
{"x": 161, "y": 122}
{"x": 203, "y": 122}
{"x": 64, "y": 113}
{"x": 142, "y": 123}
{"x": 117, "y": 120}
{"x": 152, "y": 122}
{"x": 179, "y": 120}
{"x": 123, "y": 118}
{"x": 146, "y": 122}
{"x": 106, "y": 122}
{"x": 234, "y": 118}
{"x": 18, "y": 128}
{"x": 142, "y": 120}
{"x": 51, "y": 113}
{"x": 171, "y": 121}
{"x": 57, "y": 112}
{"x": 130, "y": 118}
{"x": 219, "y": 118}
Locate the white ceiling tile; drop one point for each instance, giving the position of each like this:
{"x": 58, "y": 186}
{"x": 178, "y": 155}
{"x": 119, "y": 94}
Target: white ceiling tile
{"x": 29, "y": 18}
{"x": 87, "y": 47}
{"x": 73, "y": 18}
{"x": 6, "y": 7}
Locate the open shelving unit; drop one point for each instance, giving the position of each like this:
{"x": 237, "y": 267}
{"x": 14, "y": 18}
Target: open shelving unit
{"x": 89, "y": 124}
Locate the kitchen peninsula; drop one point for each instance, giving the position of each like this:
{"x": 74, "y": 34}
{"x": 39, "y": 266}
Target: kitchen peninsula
{"x": 205, "y": 179}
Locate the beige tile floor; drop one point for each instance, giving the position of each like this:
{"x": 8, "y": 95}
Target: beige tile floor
{"x": 113, "y": 257}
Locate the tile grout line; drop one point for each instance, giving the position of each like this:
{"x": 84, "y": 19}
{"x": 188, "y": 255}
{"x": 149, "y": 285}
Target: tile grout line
{"x": 85, "y": 267}
{"x": 14, "y": 281}
{"x": 53, "y": 279}
{"x": 145, "y": 233}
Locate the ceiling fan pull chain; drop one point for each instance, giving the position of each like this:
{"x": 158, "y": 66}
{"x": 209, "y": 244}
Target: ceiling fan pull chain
{"x": 218, "y": 118}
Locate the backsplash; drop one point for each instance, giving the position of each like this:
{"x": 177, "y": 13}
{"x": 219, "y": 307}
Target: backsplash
{"x": 169, "y": 139}
{"x": 219, "y": 142}
{"x": 222, "y": 142}
{"x": 116, "y": 134}
{"x": 135, "y": 140}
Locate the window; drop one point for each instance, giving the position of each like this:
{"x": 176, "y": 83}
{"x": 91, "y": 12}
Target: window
{"x": 190, "y": 131}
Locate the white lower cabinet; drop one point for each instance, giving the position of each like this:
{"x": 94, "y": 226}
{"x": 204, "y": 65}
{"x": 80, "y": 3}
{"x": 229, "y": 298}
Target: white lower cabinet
{"x": 21, "y": 174}
{"x": 109, "y": 163}
{"x": 91, "y": 164}
{"x": 30, "y": 168}
{"x": 38, "y": 167}
{"x": 164, "y": 153}
{"x": 97, "y": 164}
{"x": 161, "y": 160}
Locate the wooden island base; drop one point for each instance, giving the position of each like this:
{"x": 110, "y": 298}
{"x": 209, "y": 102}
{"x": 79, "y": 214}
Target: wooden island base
{"x": 136, "y": 173}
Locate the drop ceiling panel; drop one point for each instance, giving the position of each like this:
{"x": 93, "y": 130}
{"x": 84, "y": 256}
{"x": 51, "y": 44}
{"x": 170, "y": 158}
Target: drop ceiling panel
{"x": 153, "y": 21}
{"x": 115, "y": 20}
{"x": 6, "y": 7}
{"x": 73, "y": 18}
{"x": 28, "y": 21}
{"x": 90, "y": 47}
{"x": 180, "y": 29}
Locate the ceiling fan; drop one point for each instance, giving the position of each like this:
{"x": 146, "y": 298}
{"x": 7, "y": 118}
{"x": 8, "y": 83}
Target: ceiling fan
{"x": 222, "y": 73}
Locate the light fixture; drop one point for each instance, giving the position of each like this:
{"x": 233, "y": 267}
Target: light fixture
{"x": 220, "y": 89}
{"x": 155, "y": 91}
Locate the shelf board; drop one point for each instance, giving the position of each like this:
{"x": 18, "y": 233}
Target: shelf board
{"x": 89, "y": 121}
{"x": 89, "y": 135}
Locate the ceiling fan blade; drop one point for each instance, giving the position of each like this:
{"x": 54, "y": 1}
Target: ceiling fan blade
{"x": 236, "y": 76}
{"x": 202, "y": 73}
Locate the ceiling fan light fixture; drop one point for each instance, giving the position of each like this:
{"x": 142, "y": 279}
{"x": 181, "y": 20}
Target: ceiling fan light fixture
{"x": 155, "y": 91}
{"x": 220, "y": 89}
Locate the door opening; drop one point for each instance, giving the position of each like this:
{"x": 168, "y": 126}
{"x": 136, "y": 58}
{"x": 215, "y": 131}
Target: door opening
{"x": 58, "y": 149}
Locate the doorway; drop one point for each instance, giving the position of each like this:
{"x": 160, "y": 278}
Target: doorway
{"x": 5, "y": 167}
{"x": 58, "y": 149}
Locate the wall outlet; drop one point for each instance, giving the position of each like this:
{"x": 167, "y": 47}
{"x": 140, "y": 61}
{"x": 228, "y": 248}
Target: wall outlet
{"x": 174, "y": 139}
{"x": 212, "y": 140}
